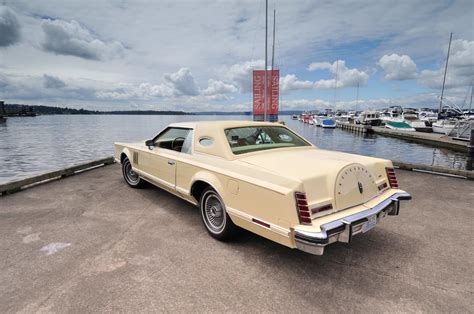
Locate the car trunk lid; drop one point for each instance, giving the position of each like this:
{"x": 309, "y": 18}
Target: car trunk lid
{"x": 327, "y": 177}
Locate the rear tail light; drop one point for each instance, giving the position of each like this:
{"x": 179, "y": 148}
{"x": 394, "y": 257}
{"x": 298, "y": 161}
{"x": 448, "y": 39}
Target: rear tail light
{"x": 304, "y": 213}
{"x": 302, "y": 208}
{"x": 392, "y": 178}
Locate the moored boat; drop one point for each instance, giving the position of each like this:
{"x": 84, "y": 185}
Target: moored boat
{"x": 369, "y": 118}
{"x": 420, "y": 126}
{"x": 444, "y": 126}
{"x": 328, "y": 122}
{"x": 427, "y": 115}
{"x": 399, "y": 125}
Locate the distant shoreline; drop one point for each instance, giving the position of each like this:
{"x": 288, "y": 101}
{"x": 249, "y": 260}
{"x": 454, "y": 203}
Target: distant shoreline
{"x": 24, "y": 110}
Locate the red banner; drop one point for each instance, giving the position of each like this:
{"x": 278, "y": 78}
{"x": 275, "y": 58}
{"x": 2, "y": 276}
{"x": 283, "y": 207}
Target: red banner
{"x": 273, "y": 94}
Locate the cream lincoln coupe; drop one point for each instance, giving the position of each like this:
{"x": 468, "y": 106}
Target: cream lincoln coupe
{"x": 265, "y": 178}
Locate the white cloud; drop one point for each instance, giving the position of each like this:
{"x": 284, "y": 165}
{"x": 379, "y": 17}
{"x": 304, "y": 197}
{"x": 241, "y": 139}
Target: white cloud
{"x": 71, "y": 38}
{"x": 290, "y": 82}
{"x": 218, "y": 88}
{"x": 398, "y": 67}
{"x": 9, "y": 27}
{"x": 416, "y": 101}
{"x": 142, "y": 91}
{"x": 460, "y": 68}
{"x": 240, "y": 74}
{"x": 315, "y": 66}
{"x": 182, "y": 82}
{"x": 345, "y": 77}
{"x": 179, "y": 83}
{"x": 215, "y": 42}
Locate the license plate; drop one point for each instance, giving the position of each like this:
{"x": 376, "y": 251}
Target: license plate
{"x": 372, "y": 221}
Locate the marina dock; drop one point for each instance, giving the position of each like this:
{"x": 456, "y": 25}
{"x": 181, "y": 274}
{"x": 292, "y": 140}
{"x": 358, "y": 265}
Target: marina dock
{"x": 356, "y": 128}
{"x": 90, "y": 243}
{"x": 432, "y": 139}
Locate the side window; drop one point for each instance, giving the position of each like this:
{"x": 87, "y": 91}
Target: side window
{"x": 172, "y": 138}
{"x": 188, "y": 142}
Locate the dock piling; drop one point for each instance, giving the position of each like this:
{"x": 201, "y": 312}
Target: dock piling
{"x": 470, "y": 147}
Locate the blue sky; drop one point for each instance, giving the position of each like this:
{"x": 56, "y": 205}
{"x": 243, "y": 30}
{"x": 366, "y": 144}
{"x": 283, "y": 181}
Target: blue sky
{"x": 199, "y": 55}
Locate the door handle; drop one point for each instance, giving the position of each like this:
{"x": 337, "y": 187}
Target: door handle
{"x": 171, "y": 162}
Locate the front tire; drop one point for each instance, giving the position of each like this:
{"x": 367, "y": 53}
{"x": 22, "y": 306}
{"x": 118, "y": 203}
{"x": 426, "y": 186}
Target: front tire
{"x": 214, "y": 216}
{"x": 131, "y": 177}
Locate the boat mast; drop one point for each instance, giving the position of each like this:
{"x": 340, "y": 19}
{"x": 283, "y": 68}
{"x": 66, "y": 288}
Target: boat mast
{"x": 335, "y": 87}
{"x": 273, "y": 46}
{"x": 445, "y": 70}
{"x": 266, "y": 77}
{"x": 357, "y": 101}
{"x": 470, "y": 103}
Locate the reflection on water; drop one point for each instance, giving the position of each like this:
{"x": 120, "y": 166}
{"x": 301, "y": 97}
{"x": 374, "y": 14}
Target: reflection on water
{"x": 30, "y": 146}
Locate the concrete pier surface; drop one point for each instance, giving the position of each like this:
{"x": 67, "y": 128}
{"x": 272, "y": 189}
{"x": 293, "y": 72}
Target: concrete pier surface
{"x": 89, "y": 243}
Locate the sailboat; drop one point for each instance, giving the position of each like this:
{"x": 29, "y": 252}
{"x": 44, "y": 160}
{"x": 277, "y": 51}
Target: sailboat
{"x": 447, "y": 125}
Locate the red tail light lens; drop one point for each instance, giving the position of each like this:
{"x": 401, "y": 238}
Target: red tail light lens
{"x": 392, "y": 178}
{"x": 302, "y": 208}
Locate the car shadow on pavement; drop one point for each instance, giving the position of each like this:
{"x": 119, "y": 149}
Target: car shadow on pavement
{"x": 369, "y": 261}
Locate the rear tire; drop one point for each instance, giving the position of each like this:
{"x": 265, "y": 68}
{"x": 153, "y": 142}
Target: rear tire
{"x": 214, "y": 216}
{"x": 131, "y": 177}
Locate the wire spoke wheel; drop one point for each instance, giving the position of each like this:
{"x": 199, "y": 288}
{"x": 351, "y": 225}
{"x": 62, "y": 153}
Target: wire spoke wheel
{"x": 214, "y": 216}
{"x": 214, "y": 213}
{"x": 129, "y": 175}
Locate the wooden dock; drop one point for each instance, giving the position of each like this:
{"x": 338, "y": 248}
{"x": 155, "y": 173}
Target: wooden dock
{"x": 356, "y": 128}
{"x": 433, "y": 139}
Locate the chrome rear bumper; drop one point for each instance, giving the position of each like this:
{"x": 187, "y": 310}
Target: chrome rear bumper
{"x": 342, "y": 229}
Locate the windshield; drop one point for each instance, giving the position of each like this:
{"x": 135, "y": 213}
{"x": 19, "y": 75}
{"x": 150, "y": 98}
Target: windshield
{"x": 250, "y": 139}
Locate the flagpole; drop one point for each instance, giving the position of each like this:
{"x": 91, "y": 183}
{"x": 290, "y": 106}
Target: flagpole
{"x": 265, "y": 96}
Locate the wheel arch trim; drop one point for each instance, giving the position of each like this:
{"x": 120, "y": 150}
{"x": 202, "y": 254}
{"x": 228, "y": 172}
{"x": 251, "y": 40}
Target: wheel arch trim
{"x": 210, "y": 180}
{"x": 127, "y": 153}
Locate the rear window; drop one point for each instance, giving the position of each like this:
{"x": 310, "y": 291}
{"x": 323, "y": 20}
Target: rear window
{"x": 249, "y": 139}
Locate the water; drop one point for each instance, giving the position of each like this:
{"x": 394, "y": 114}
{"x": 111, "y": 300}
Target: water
{"x": 31, "y": 146}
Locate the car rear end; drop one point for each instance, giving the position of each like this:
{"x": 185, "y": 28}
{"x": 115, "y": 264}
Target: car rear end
{"x": 362, "y": 199}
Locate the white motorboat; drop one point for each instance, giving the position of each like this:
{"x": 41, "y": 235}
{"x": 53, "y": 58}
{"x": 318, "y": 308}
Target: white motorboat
{"x": 369, "y": 118}
{"x": 428, "y": 116}
{"x": 444, "y": 126}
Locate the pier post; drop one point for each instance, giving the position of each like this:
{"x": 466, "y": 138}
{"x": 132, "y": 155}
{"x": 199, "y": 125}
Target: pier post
{"x": 470, "y": 150}
{"x": 2, "y": 107}
{"x": 470, "y": 147}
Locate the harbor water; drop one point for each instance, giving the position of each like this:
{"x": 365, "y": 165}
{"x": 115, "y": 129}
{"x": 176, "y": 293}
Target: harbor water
{"x": 34, "y": 145}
